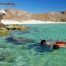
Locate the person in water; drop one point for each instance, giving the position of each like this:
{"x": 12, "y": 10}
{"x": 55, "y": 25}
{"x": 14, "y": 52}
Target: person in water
{"x": 55, "y": 45}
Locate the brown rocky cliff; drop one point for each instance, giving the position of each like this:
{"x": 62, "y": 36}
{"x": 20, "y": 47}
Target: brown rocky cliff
{"x": 22, "y": 15}
{"x": 17, "y": 14}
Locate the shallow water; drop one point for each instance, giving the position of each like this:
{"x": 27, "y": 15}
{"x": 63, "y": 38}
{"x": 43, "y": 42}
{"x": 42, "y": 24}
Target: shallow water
{"x": 29, "y": 53}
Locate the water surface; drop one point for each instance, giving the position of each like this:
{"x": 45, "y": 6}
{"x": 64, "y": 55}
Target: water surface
{"x": 29, "y": 53}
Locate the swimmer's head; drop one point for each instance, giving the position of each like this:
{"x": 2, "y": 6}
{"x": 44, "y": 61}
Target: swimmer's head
{"x": 56, "y": 47}
{"x": 43, "y": 42}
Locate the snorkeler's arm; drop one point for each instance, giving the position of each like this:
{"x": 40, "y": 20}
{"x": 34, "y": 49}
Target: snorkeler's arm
{"x": 50, "y": 45}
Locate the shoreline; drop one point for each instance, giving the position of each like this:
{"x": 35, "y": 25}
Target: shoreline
{"x": 7, "y": 22}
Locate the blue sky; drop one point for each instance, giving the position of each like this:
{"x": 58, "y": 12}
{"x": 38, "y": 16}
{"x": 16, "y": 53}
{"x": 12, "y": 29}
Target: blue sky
{"x": 38, "y": 6}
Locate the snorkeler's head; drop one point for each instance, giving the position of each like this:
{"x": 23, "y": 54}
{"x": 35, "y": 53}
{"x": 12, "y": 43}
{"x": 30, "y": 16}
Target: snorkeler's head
{"x": 56, "y": 47}
{"x": 43, "y": 42}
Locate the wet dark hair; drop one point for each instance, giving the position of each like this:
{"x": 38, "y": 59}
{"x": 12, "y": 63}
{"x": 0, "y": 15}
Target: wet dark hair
{"x": 43, "y": 42}
{"x": 56, "y": 47}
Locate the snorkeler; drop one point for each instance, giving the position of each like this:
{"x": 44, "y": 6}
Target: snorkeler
{"x": 55, "y": 45}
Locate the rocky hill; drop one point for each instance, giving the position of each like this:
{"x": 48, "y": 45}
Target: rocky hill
{"x": 23, "y": 15}
{"x": 13, "y": 14}
{"x": 52, "y": 16}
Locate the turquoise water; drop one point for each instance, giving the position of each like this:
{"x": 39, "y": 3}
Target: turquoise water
{"x": 29, "y": 52}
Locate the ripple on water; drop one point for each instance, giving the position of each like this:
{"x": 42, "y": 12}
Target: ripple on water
{"x": 31, "y": 54}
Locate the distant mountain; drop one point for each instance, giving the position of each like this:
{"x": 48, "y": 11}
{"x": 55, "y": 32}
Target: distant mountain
{"x": 13, "y": 14}
{"x": 20, "y": 15}
{"x": 52, "y": 16}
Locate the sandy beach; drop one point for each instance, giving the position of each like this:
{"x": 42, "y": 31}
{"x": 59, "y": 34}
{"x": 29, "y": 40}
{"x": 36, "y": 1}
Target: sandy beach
{"x": 29, "y": 22}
